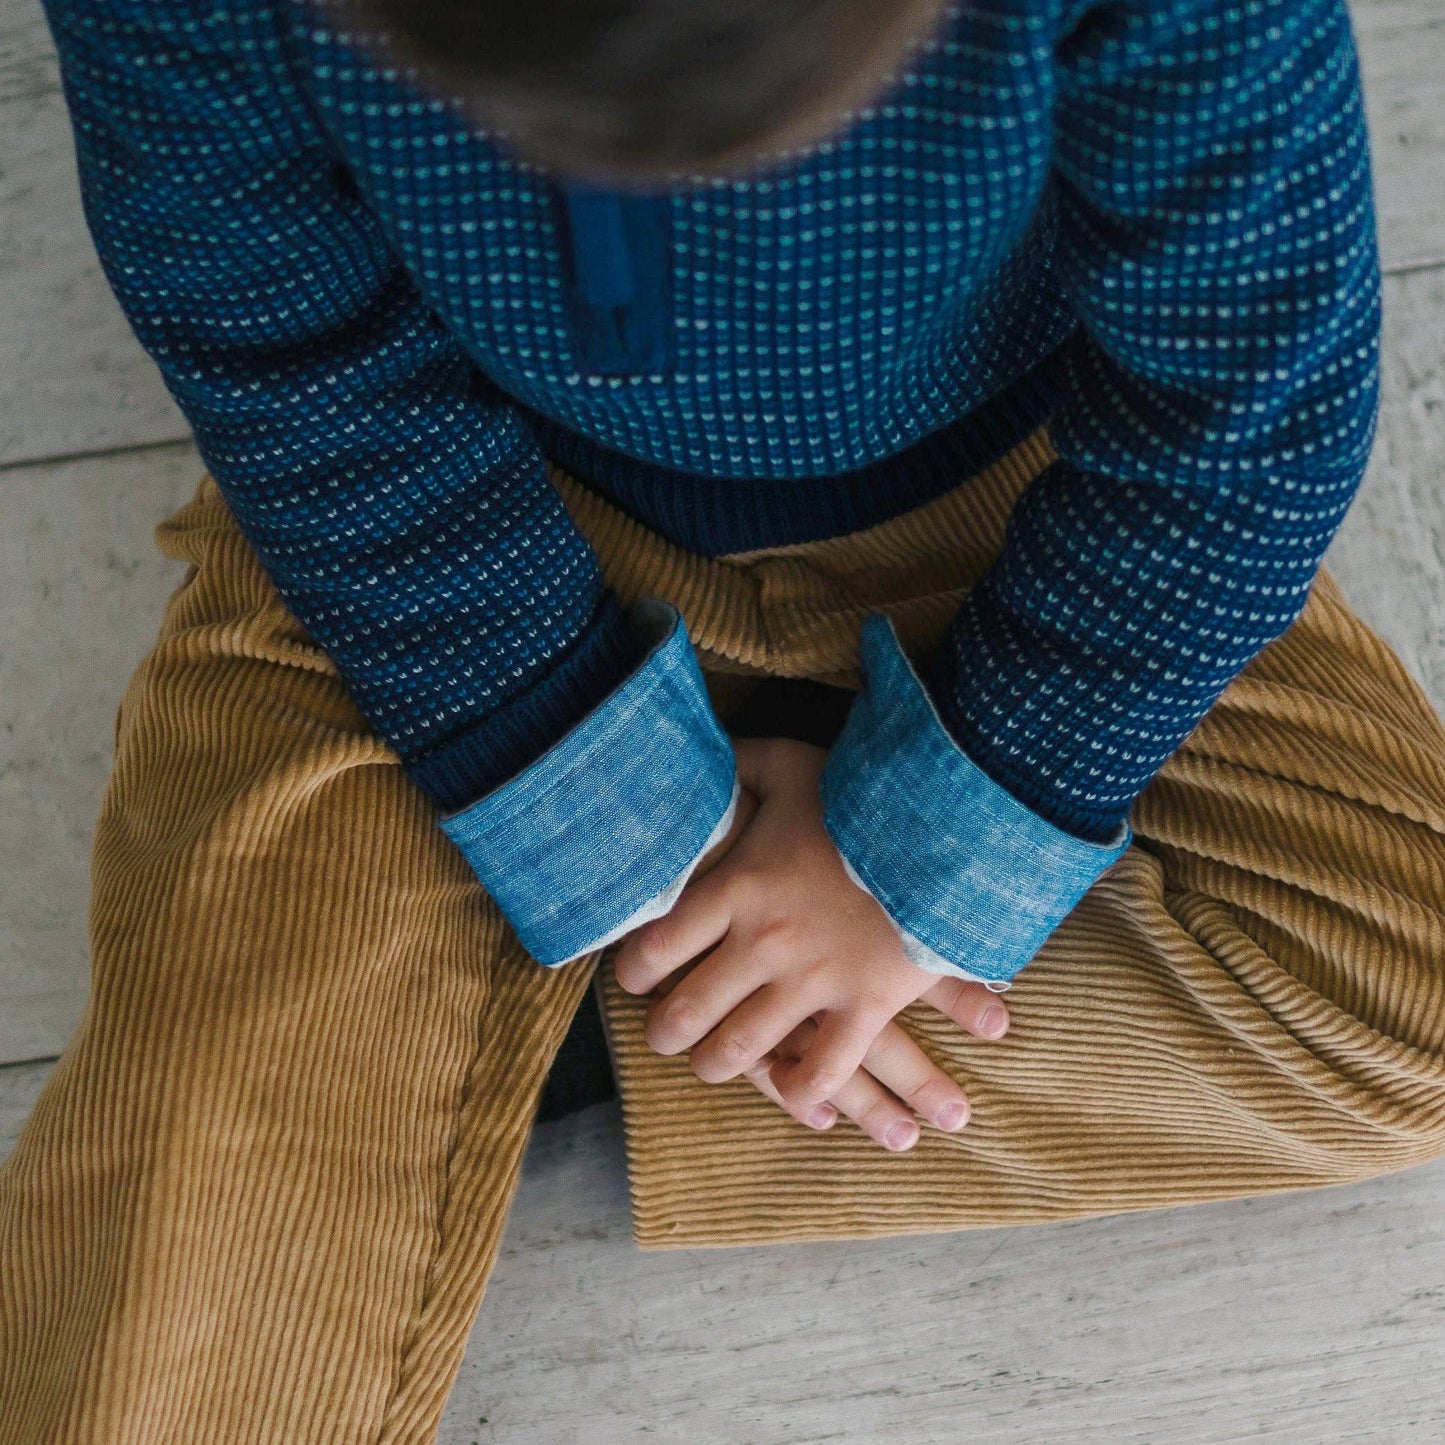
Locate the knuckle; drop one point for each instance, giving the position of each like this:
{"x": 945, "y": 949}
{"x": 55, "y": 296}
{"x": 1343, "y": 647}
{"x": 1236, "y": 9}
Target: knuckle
{"x": 951, "y": 992}
{"x": 656, "y": 941}
{"x": 670, "y": 1024}
{"x": 736, "y": 1048}
{"x": 775, "y": 936}
{"x": 820, "y": 1080}
{"x": 929, "y": 1094}
{"x": 680, "y": 1018}
{"x": 871, "y": 1003}
{"x": 878, "y": 1117}
{"x": 723, "y": 1058}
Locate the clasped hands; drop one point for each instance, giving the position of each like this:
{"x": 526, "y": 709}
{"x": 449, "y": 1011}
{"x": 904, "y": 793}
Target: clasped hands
{"x": 774, "y": 964}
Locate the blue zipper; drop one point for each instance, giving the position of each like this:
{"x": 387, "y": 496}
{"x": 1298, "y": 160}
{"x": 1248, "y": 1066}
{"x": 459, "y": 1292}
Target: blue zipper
{"x": 619, "y": 249}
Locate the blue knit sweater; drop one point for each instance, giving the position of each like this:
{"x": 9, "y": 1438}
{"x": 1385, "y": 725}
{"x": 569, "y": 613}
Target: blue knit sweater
{"x": 1146, "y": 221}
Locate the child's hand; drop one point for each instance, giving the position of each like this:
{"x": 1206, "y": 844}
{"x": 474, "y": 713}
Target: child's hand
{"x": 894, "y": 1063}
{"x": 793, "y": 938}
{"x": 893, "y": 1070}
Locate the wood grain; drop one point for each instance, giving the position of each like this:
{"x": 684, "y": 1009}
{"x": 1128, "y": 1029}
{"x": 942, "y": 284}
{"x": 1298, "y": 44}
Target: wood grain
{"x": 1312, "y": 1318}
{"x": 20, "y": 1086}
{"x": 81, "y": 591}
{"x": 1300, "y": 1319}
{"x": 1401, "y": 44}
{"x": 1389, "y": 554}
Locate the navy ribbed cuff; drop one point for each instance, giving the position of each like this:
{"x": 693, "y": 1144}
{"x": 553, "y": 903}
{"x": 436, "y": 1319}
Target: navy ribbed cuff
{"x": 470, "y": 765}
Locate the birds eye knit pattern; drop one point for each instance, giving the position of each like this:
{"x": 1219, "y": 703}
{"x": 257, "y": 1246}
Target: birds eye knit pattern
{"x": 1147, "y": 221}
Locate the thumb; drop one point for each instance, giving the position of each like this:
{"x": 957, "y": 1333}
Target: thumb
{"x": 747, "y": 808}
{"x": 758, "y": 762}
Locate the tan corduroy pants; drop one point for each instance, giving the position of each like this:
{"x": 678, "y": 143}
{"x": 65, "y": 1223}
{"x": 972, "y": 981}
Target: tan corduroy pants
{"x": 260, "y": 1196}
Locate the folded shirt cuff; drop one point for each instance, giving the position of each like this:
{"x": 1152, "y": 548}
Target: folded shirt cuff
{"x": 600, "y": 834}
{"x": 973, "y": 879}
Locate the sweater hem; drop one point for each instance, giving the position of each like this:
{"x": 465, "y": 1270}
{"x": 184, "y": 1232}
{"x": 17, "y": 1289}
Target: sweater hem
{"x": 715, "y": 516}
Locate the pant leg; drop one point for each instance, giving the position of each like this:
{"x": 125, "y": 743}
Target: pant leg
{"x": 260, "y": 1196}
{"x": 1252, "y": 999}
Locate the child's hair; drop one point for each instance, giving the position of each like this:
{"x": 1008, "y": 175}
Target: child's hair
{"x": 636, "y": 89}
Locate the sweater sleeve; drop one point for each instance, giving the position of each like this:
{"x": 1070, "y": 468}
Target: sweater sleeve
{"x": 391, "y": 492}
{"x": 1211, "y": 205}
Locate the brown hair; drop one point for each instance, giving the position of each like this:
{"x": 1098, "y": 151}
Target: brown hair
{"x": 634, "y": 90}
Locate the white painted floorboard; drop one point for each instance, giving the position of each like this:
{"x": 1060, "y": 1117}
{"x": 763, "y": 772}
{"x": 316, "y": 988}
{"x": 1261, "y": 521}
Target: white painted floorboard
{"x": 72, "y": 376}
{"x": 82, "y": 588}
{"x": 1389, "y": 553}
{"x": 1315, "y": 1317}
{"x": 20, "y": 1086}
{"x": 1402, "y": 61}
{"x": 1307, "y": 1318}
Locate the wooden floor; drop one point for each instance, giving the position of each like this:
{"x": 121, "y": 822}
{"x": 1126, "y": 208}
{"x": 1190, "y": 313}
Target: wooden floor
{"x": 1312, "y": 1317}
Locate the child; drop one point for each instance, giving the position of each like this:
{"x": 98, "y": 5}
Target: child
{"x": 759, "y": 277}
{"x": 379, "y": 322}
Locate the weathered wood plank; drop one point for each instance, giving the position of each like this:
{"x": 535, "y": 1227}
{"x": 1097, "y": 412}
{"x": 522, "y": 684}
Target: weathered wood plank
{"x": 82, "y": 587}
{"x": 20, "y": 1086}
{"x": 1389, "y": 554}
{"x": 73, "y": 379}
{"x": 72, "y": 376}
{"x": 1292, "y": 1319}
{"x": 1401, "y": 45}
{"x": 27, "y": 59}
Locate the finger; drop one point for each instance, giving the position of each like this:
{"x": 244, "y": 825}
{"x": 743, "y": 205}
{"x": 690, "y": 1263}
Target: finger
{"x": 877, "y": 1112}
{"x": 667, "y": 985}
{"x": 863, "y": 1098}
{"x": 820, "y": 1116}
{"x": 793, "y": 1047}
{"x": 876, "y": 1109}
{"x": 968, "y": 1004}
{"x": 709, "y": 994}
{"x": 698, "y": 919}
{"x": 747, "y": 1033}
{"x": 909, "y": 1075}
{"x": 838, "y": 1050}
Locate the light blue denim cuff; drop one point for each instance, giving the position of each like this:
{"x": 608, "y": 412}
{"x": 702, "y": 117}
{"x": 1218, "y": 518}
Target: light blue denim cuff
{"x": 599, "y": 834}
{"x": 974, "y": 880}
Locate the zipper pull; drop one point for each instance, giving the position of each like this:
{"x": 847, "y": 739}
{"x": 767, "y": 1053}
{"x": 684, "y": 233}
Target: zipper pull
{"x": 618, "y": 246}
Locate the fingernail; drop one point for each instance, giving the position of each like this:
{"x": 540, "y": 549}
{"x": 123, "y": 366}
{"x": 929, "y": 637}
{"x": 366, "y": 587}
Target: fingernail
{"x": 994, "y": 1019}
{"x": 901, "y": 1134}
{"x": 951, "y": 1116}
{"x": 823, "y": 1116}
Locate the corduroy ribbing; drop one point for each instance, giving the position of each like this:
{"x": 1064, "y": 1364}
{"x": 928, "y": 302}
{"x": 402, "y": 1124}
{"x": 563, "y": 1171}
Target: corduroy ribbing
{"x": 260, "y": 1197}
{"x": 1251, "y": 1000}
{"x": 466, "y": 767}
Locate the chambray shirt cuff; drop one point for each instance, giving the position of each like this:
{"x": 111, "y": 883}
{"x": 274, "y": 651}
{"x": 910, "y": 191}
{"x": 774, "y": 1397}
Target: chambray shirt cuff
{"x": 973, "y": 879}
{"x": 599, "y": 835}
